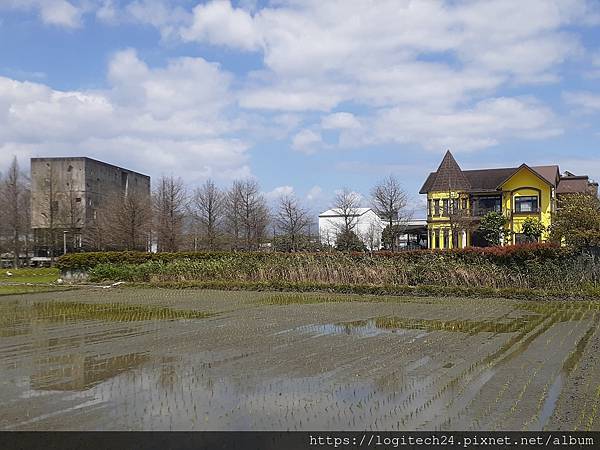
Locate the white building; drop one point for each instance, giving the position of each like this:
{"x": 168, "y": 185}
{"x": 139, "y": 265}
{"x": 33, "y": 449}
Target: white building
{"x": 369, "y": 227}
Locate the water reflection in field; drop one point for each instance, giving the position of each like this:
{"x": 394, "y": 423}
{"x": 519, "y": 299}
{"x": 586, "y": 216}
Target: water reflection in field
{"x": 206, "y": 360}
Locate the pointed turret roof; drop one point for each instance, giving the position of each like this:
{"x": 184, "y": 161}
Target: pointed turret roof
{"x": 449, "y": 176}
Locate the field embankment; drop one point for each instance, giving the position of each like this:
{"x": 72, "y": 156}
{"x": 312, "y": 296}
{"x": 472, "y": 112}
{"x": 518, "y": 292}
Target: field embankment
{"x": 29, "y": 281}
{"x": 517, "y": 271}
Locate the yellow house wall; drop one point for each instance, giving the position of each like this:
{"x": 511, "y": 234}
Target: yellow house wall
{"x": 441, "y": 222}
{"x": 526, "y": 183}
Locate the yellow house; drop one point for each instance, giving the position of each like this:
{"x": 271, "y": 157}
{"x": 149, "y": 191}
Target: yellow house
{"x": 457, "y": 200}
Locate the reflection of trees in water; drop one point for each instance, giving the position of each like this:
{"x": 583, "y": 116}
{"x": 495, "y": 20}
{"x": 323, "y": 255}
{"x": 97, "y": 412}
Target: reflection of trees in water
{"x": 463, "y": 326}
{"x": 484, "y": 326}
{"x": 114, "y": 312}
{"x": 16, "y": 317}
{"x": 168, "y": 372}
{"x": 76, "y": 372}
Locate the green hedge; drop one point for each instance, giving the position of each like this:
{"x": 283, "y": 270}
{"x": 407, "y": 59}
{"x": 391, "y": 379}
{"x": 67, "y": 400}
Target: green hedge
{"x": 515, "y": 255}
{"x": 516, "y": 267}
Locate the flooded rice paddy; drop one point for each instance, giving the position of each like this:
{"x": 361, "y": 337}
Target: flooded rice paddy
{"x": 156, "y": 359}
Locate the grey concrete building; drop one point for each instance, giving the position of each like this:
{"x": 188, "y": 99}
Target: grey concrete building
{"x": 68, "y": 193}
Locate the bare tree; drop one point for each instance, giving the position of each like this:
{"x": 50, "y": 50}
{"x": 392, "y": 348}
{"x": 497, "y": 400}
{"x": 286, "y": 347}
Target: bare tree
{"x": 460, "y": 219}
{"x": 26, "y": 211}
{"x": 3, "y": 215}
{"x": 71, "y": 216}
{"x": 208, "y": 211}
{"x": 169, "y": 213}
{"x": 233, "y": 215}
{"x": 96, "y": 233}
{"x": 47, "y": 200}
{"x": 247, "y": 214}
{"x": 346, "y": 204}
{"x": 390, "y": 203}
{"x": 124, "y": 222}
{"x": 291, "y": 219}
{"x": 372, "y": 236}
{"x": 13, "y": 200}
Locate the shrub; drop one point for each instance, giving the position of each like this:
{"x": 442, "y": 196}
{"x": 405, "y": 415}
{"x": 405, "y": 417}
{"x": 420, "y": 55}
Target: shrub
{"x": 577, "y": 221}
{"x": 533, "y": 229}
{"x": 493, "y": 227}
{"x": 522, "y": 266}
{"x": 509, "y": 255}
{"x": 349, "y": 242}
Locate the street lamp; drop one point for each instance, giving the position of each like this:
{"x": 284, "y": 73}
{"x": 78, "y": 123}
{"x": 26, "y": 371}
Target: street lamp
{"x": 65, "y": 242}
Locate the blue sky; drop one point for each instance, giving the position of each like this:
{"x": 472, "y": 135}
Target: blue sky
{"x": 306, "y": 96}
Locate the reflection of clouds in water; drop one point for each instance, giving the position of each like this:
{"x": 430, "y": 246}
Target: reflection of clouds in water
{"x": 383, "y": 372}
{"x": 201, "y": 398}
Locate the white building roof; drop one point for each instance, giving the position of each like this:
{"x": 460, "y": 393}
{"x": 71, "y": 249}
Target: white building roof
{"x": 336, "y": 212}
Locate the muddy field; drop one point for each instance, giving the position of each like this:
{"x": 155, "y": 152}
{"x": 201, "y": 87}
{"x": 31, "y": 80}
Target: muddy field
{"x": 155, "y": 359}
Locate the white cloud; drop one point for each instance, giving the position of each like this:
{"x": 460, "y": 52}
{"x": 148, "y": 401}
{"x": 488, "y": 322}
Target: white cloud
{"x": 422, "y": 69}
{"x": 279, "y": 192}
{"x": 584, "y": 100}
{"x": 482, "y": 126}
{"x": 165, "y": 15}
{"x": 219, "y": 23}
{"x": 162, "y": 14}
{"x": 341, "y": 120}
{"x": 61, "y": 13}
{"x": 350, "y": 36}
{"x": 306, "y": 141}
{"x": 107, "y": 11}
{"x": 428, "y": 72}
{"x": 171, "y": 118}
{"x": 185, "y": 85}
{"x": 298, "y": 95}
{"x": 315, "y": 193}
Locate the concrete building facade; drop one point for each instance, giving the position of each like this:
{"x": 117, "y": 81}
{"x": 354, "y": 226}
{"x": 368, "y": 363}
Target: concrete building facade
{"x": 68, "y": 192}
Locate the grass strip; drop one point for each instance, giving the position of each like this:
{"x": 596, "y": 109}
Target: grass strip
{"x": 415, "y": 291}
{"x": 24, "y": 289}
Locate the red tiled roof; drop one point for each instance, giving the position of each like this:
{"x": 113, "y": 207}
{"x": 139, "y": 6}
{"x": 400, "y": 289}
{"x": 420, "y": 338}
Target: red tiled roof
{"x": 576, "y": 184}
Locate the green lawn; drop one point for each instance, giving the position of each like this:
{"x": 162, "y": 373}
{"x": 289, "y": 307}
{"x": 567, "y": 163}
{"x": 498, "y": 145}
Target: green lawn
{"x": 26, "y": 281}
{"x": 41, "y": 275}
